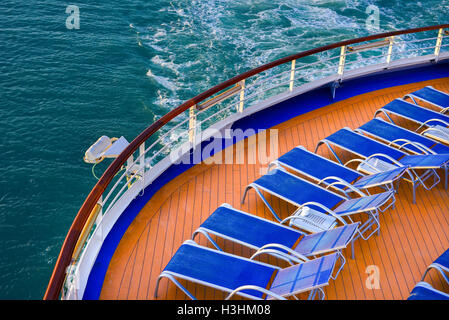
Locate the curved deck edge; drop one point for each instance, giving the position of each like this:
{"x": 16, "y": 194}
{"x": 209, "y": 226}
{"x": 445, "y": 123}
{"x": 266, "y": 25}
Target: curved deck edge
{"x": 263, "y": 119}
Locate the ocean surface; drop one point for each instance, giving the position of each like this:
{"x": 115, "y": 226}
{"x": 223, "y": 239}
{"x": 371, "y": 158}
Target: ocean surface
{"x": 129, "y": 63}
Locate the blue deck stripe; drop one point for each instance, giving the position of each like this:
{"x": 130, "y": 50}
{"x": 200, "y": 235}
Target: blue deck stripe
{"x": 263, "y": 119}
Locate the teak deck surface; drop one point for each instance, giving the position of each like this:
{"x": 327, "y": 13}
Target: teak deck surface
{"x": 411, "y": 236}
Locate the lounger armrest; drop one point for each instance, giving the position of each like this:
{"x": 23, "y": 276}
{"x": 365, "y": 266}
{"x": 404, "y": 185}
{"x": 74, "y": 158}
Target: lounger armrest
{"x": 411, "y": 96}
{"x": 311, "y": 203}
{"x": 204, "y": 232}
{"x": 273, "y": 164}
{"x": 273, "y": 248}
{"x": 381, "y": 155}
{"x": 439, "y": 269}
{"x": 421, "y": 147}
{"x": 168, "y": 275}
{"x": 361, "y": 161}
{"x": 342, "y": 182}
{"x": 433, "y": 120}
{"x": 252, "y": 287}
{"x": 436, "y": 129}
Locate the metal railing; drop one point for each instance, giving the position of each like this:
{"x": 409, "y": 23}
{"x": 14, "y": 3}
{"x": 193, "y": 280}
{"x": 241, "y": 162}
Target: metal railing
{"x": 182, "y": 125}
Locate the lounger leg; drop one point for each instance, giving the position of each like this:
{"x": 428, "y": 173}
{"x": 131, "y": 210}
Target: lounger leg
{"x": 176, "y": 282}
{"x": 445, "y": 177}
{"x": 342, "y": 264}
{"x": 263, "y": 199}
{"x": 207, "y": 236}
{"x": 313, "y": 293}
{"x": 378, "y": 221}
{"x": 324, "y": 141}
{"x": 352, "y": 249}
{"x": 414, "y": 192}
{"x": 244, "y": 193}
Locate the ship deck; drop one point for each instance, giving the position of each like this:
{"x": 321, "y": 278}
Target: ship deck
{"x": 411, "y": 235}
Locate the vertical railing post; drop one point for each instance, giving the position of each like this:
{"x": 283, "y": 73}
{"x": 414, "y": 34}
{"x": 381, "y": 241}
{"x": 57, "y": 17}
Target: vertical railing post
{"x": 142, "y": 157}
{"x": 292, "y": 75}
{"x": 192, "y": 124}
{"x": 242, "y": 96}
{"x": 438, "y": 44}
{"x": 341, "y": 64}
{"x": 390, "y": 50}
{"x": 142, "y": 164}
{"x": 129, "y": 165}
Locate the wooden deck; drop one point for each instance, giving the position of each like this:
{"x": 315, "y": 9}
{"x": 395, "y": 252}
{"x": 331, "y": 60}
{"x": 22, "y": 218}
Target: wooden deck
{"x": 411, "y": 237}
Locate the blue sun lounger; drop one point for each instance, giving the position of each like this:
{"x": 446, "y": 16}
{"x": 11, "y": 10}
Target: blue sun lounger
{"x": 312, "y": 200}
{"x": 245, "y": 277}
{"x": 432, "y": 96}
{"x": 331, "y": 173}
{"x": 424, "y": 291}
{"x": 436, "y": 123}
{"x": 269, "y": 237}
{"x": 402, "y": 138}
{"x": 441, "y": 264}
{"x": 381, "y": 157}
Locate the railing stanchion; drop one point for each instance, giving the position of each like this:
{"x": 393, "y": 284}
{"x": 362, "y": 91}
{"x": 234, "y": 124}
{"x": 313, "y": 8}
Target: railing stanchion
{"x": 390, "y": 50}
{"x": 192, "y": 124}
{"x": 292, "y": 75}
{"x": 242, "y": 96}
{"x": 438, "y": 44}
{"x": 142, "y": 157}
{"x": 341, "y": 64}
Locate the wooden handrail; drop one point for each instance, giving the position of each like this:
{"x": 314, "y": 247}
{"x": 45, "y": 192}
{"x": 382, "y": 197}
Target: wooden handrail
{"x": 57, "y": 278}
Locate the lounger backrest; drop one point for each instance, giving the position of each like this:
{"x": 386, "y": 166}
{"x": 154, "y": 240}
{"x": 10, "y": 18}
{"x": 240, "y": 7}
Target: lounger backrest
{"x": 249, "y": 229}
{"x": 361, "y": 145}
{"x": 380, "y": 178}
{"x": 313, "y": 165}
{"x": 312, "y": 274}
{"x": 336, "y": 238}
{"x": 390, "y": 132}
{"x": 218, "y": 269}
{"x": 295, "y": 190}
{"x": 363, "y": 204}
{"x": 413, "y": 112}
{"x": 434, "y": 161}
{"x": 433, "y": 96}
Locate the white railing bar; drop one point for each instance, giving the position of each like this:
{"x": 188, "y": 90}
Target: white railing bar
{"x": 331, "y": 68}
{"x": 365, "y": 59}
{"x": 365, "y": 50}
{"x": 416, "y": 40}
{"x": 315, "y": 63}
{"x": 163, "y": 136}
{"x": 134, "y": 163}
{"x": 302, "y": 66}
{"x": 289, "y": 70}
{"x": 167, "y": 145}
{"x": 121, "y": 190}
{"x": 267, "y": 79}
{"x": 414, "y": 49}
{"x": 219, "y": 112}
{"x": 113, "y": 188}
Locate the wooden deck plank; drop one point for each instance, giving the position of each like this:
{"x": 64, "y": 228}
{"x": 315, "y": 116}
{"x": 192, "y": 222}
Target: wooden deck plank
{"x": 411, "y": 237}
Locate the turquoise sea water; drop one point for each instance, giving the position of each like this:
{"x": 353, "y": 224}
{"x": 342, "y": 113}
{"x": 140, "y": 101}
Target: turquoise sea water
{"x": 129, "y": 63}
